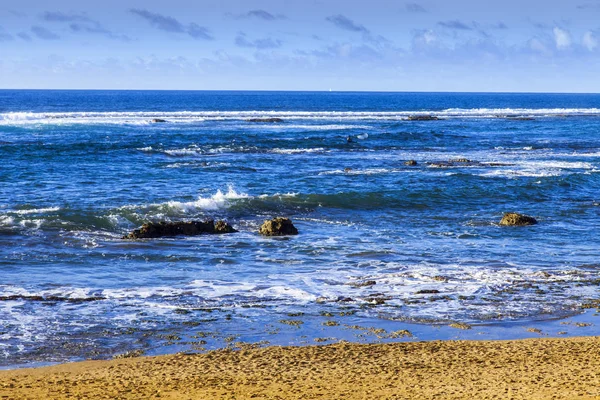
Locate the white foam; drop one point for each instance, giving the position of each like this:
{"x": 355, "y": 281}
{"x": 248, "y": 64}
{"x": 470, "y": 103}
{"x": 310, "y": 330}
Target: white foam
{"x": 145, "y": 117}
{"x": 299, "y": 151}
{"x": 540, "y": 169}
{"x": 183, "y": 152}
{"x": 37, "y": 211}
{"x": 367, "y": 171}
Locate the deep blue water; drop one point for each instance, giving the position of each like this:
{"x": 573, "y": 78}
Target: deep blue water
{"x": 82, "y": 168}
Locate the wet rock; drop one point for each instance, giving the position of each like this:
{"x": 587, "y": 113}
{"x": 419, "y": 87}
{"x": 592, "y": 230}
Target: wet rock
{"x": 278, "y": 227}
{"x": 459, "y": 162}
{"x": 154, "y": 230}
{"x": 347, "y": 170}
{"x": 422, "y": 118}
{"x": 461, "y": 325}
{"x": 515, "y": 219}
{"x": 411, "y": 163}
{"x": 223, "y": 227}
{"x": 129, "y": 354}
{"x": 521, "y": 118}
{"x": 534, "y": 330}
{"x": 342, "y": 299}
{"x": 158, "y": 121}
{"x": 269, "y": 120}
{"x": 427, "y": 291}
{"x": 363, "y": 284}
{"x": 291, "y": 322}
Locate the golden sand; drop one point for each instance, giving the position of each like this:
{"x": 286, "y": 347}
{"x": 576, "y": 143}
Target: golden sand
{"x": 523, "y": 369}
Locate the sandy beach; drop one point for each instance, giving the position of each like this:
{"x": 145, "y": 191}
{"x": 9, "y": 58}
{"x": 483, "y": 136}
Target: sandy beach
{"x": 522, "y": 369}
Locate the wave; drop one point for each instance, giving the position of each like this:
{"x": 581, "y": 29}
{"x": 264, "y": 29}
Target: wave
{"x": 194, "y": 150}
{"x": 147, "y": 117}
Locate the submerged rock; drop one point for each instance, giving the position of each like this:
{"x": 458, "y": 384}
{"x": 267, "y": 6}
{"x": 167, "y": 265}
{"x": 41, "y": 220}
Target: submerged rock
{"x": 423, "y": 118}
{"x": 271, "y": 120}
{"x": 158, "y": 120}
{"x": 411, "y": 163}
{"x": 518, "y": 118}
{"x": 153, "y": 230}
{"x": 278, "y": 227}
{"x": 457, "y": 162}
{"x": 515, "y": 219}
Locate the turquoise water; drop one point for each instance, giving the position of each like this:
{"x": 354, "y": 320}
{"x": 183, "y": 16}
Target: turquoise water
{"x": 82, "y": 168}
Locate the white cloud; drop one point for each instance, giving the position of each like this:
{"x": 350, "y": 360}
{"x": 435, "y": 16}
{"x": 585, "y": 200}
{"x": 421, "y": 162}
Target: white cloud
{"x": 590, "y": 41}
{"x": 562, "y": 38}
{"x": 538, "y": 46}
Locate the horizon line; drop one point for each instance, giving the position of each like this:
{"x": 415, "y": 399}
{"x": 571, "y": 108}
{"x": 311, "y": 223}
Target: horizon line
{"x": 292, "y": 91}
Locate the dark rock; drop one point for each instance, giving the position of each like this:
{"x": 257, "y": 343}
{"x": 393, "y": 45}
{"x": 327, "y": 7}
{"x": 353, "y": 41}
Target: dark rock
{"x": 363, "y": 284}
{"x": 515, "y": 219}
{"x": 278, "y": 227}
{"x": 347, "y": 169}
{"x": 411, "y": 163}
{"x": 459, "y": 162}
{"x": 427, "y": 291}
{"x": 158, "y": 120}
{"x": 271, "y": 120}
{"x": 223, "y": 227}
{"x": 153, "y": 230}
{"x": 521, "y": 118}
{"x": 342, "y": 299}
{"x": 422, "y": 118}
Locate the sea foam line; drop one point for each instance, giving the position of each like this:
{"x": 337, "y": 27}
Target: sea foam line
{"x": 146, "y": 117}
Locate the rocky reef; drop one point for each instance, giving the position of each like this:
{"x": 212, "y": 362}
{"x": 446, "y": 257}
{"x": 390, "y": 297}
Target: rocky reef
{"x": 278, "y": 227}
{"x": 422, "y": 118}
{"x": 152, "y": 230}
{"x": 270, "y": 120}
{"x": 515, "y": 219}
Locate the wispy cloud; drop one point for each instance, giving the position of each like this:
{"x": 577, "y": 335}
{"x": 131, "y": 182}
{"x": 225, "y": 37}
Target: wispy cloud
{"x": 18, "y": 14}
{"x": 562, "y": 38}
{"x": 24, "y": 36}
{"x": 589, "y": 6}
{"x": 590, "y": 40}
{"x": 199, "y": 32}
{"x": 57, "y": 16}
{"x": 80, "y": 23}
{"x": 415, "y": 8}
{"x": 162, "y": 22}
{"x": 262, "y": 14}
{"x": 170, "y": 24}
{"x": 241, "y": 40}
{"x": 4, "y": 36}
{"x": 43, "y": 33}
{"x": 455, "y": 25}
{"x": 345, "y": 23}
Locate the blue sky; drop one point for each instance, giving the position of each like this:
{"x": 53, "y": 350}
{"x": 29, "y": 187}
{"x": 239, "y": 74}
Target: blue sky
{"x": 379, "y": 45}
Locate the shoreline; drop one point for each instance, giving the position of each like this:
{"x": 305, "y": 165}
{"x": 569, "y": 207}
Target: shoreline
{"x": 528, "y": 369}
{"x": 291, "y": 330}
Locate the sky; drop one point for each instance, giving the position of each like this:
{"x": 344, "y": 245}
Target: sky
{"x": 342, "y": 45}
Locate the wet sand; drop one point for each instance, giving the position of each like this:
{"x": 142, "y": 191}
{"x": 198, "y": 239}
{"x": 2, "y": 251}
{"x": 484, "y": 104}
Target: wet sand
{"x": 522, "y": 369}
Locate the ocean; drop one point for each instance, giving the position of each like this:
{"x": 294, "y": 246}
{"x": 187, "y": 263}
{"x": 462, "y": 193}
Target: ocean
{"x": 385, "y": 252}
